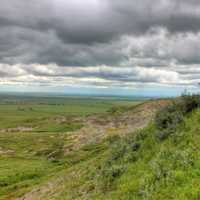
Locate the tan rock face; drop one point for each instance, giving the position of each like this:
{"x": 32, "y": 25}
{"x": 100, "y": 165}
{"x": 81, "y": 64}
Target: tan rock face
{"x": 97, "y": 127}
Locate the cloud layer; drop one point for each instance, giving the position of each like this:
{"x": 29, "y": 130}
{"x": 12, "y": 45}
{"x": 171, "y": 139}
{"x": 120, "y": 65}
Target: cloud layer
{"x": 100, "y": 43}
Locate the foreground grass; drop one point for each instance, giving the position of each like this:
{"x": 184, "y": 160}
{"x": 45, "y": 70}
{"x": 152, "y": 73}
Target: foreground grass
{"x": 168, "y": 169}
{"x": 28, "y": 159}
{"x": 31, "y": 159}
{"x": 25, "y": 160}
{"x": 141, "y": 167}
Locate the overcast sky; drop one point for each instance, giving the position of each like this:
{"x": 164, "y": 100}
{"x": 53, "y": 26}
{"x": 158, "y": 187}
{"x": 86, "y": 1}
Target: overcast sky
{"x": 129, "y": 47}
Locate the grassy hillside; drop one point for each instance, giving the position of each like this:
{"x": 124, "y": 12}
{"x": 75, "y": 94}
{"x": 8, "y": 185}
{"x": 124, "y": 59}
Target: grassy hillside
{"x": 144, "y": 167}
{"x": 161, "y": 161}
{"x": 35, "y": 134}
{"x": 140, "y": 166}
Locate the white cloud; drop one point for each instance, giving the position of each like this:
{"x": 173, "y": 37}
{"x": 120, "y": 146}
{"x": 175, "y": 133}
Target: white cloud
{"x": 101, "y": 76}
{"x": 156, "y": 58}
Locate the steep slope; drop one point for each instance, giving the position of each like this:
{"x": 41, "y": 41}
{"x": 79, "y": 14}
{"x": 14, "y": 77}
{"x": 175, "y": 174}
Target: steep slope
{"x": 140, "y": 166}
{"x": 168, "y": 169}
{"x": 119, "y": 120}
{"x": 88, "y": 143}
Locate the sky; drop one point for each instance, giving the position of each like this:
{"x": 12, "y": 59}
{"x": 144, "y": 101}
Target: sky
{"x": 112, "y": 47}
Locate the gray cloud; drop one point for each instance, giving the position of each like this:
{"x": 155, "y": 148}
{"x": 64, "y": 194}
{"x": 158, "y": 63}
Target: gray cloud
{"x": 93, "y": 21}
{"x": 103, "y": 76}
{"x": 138, "y": 41}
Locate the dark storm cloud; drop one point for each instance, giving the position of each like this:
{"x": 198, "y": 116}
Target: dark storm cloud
{"x": 22, "y": 45}
{"x": 99, "y": 21}
{"x": 68, "y": 32}
{"x": 150, "y": 37}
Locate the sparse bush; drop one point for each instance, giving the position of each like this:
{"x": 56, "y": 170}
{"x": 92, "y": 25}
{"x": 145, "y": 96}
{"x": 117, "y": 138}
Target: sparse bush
{"x": 189, "y": 102}
{"x": 135, "y": 146}
{"x": 108, "y": 174}
{"x": 118, "y": 150}
{"x": 118, "y": 109}
{"x": 163, "y": 134}
{"x": 169, "y": 117}
{"x": 123, "y": 150}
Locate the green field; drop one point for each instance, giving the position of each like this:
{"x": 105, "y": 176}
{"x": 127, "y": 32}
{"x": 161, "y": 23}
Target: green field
{"x": 159, "y": 162}
{"x": 28, "y": 158}
{"x": 31, "y": 111}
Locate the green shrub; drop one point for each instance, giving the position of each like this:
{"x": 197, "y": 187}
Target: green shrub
{"x": 109, "y": 173}
{"x": 189, "y": 103}
{"x": 169, "y": 117}
{"x": 123, "y": 151}
{"x": 118, "y": 109}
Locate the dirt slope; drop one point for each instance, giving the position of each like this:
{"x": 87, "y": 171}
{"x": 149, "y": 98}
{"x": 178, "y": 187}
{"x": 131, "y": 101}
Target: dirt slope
{"x": 95, "y": 129}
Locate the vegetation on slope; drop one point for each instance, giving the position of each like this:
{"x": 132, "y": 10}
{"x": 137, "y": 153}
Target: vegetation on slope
{"x": 161, "y": 161}
{"x": 153, "y": 165}
{"x": 34, "y": 136}
{"x": 145, "y": 165}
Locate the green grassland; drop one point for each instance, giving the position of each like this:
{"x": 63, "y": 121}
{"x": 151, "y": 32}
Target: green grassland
{"x": 31, "y": 111}
{"x": 140, "y": 166}
{"x": 167, "y": 170}
{"x": 28, "y": 158}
